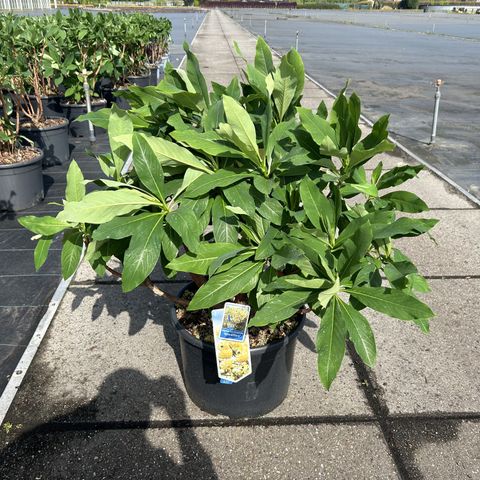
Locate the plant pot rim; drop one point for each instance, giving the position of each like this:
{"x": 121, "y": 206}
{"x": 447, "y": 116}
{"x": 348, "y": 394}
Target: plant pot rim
{"x": 53, "y": 95}
{"x": 82, "y": 105}
{"x": 45, "y": 129}
{"x": 146, "y": 75}
{"x": 188, "y": 337}
{"x": 38, "y": 158}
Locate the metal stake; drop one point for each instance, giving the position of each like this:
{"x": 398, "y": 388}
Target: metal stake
{"x": 89, "y": 109}
{"x": 185, "y": 28}
{"x": 296, "y": 41}
{"x": 265, "y": 30}
{"x": 438, "y": 84}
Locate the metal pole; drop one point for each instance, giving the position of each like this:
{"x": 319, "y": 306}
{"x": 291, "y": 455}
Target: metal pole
{"x": 185, "y": 28}
{"x": 89, "y": 109}
{"x": 296, "y": 41}
{"x": 438, "y": 84}
{"x": 265, "y": 30}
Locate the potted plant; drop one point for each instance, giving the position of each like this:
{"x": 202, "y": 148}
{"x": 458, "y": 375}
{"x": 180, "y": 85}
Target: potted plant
{"x": 85, "y": 60}
{"x": 35, "y": 45}
{"x": 262, "y": 202}
{"x": 21, "y": 181}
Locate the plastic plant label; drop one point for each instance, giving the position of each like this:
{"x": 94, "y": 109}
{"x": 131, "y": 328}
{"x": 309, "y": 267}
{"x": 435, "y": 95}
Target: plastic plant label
{"x": 234, "y": 323}
{"x": 233, "y": 357}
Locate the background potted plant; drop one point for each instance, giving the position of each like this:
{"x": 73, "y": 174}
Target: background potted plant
{"x": 21, "y": 181}
{"x": 264, "y": 203}
{"x": 34, "y": 46}
{"x": 85, "y": 60}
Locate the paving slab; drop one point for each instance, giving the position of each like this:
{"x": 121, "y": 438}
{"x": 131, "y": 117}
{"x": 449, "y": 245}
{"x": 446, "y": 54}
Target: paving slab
{"x": 439, "y": 449}
{"x": 455, "y": 249}
{"x": 100, "y": 332}
{"x": 437, "y": 372}
{"x": 286, "y": 452}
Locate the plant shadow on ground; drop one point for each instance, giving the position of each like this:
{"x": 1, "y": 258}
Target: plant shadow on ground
{"x": 79, "y": 445}
{"x": 413, "y": 434}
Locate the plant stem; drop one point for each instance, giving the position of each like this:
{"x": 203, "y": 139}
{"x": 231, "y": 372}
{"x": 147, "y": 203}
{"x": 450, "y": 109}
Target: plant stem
{"x": 150, "y": 285}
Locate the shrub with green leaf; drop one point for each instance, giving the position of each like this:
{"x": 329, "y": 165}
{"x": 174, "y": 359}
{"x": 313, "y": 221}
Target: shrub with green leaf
{"x": 260, "y": 199}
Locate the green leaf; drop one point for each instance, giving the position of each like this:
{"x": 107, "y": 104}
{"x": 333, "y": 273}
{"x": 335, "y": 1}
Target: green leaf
{"x": 224, "y": 223}
{"x": 359, "y": 331}
{"x": 239, "y": 279}
{"x": 317, "y": 207}
{"x": 280, "y": 308}
{"x": 101, "y": 207}
{"x": 272, "y": 210}
{"x": 142, "y": 254}
{"x": 394, "y": 303}
{"x": 207, "y": 142}
{"x": 206, "y": 183}
{"x": 71, "y": 252}
{"x": 405, "y": 202}
{"x": 285, "y": 87}
{"x": 241, "y": 128}
{"x": 171, "y": 153}
{"x": 195, "y": 75}
{"x": 404, "y": 227}
{"x": 75, "y": 190}
{"x": 122, "y": 227}
{"x": 263, "y": 57}
{"x": 41, "y": 252}
{"x": 265, "y": 248}
{"x": 43, "y": 225}
{"x": 200, "y": 261}
{"x": 398, "y": 175}
{"x": 147, "y": 166}
{"x": 320, "y": 130}
{"x": 185, "y": 223}
{"x": 330, "y": 344}
{"x": 354, "y": 249}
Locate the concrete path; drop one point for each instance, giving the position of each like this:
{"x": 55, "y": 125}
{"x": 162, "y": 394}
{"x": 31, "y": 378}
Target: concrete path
{"x": 104, "y": 397}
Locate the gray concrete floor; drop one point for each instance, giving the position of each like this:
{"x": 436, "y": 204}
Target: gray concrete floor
{"x": 104, "y": 397}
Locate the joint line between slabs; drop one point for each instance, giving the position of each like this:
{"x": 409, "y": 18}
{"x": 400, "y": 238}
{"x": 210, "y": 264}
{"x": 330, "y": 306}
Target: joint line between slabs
{"x": 50, "y": 427}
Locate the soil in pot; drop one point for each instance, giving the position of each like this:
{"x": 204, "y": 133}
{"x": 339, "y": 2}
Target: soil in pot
{"x": 272, "y": 353}
{"x": 73, "y": 111}
{"x": 51, "y": 137}
{"x": 51, "y": 105}
{"x": 139, "y": 80}
{"x": 21, "y": 180}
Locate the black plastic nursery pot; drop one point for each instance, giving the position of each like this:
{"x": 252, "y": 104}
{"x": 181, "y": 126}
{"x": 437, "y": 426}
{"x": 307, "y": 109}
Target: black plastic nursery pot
{"x": 156, "y": 75}
{"x": 51, "y": 105}
{"x": 53, "y": 141}
{"x": 73, "y": 110}
{"x": 21, "y": 184}
{"x": 259, "y": 393}
{"x": 120, "y": 101}
{"x": 139, "y": 80}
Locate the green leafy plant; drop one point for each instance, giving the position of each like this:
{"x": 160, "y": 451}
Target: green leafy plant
{"x": 261, "y": 200}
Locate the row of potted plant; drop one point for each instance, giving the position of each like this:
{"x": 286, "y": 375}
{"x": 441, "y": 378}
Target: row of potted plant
{"x": 47, "y": 65}
{"x": 262, "y": 202}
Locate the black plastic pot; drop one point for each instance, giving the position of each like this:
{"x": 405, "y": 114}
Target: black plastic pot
{"x": 259, "y": 393}
{"x": 120, "y": 101}
{"x": 53, "y": 141}
{"x": 72, "y": 111}
{"x": 139, "y": 80}
{"x": 155, "y": 77}
{"x": 21, "y": 184}
{"x": 51, "y": 105}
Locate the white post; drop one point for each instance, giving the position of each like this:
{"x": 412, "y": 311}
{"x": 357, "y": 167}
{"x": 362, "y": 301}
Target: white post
{"x": 89, "y": 109}
{"x": 265, "y": 30}
{"x": 296, "y": 41}
{"x": 438, "y": 84}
